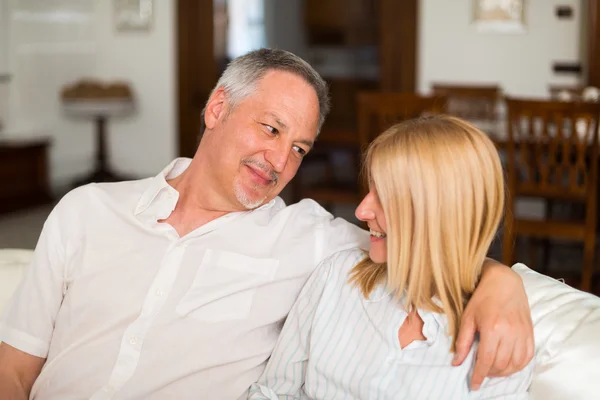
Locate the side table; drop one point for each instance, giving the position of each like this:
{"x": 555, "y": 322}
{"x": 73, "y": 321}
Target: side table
{"x": 100, "y": 111}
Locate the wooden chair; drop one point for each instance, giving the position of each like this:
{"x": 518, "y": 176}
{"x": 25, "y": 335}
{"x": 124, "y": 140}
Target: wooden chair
{"x": 573, "y": 93}
{"x": 552, "y": 153}
{"x": 558, "y": 91}
{"x": 471, "y": 102}
{"x": 376, "y": 112}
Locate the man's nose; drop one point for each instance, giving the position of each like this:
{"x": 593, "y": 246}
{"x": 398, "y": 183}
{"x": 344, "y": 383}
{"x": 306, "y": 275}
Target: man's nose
{"x": 278, "y": 157}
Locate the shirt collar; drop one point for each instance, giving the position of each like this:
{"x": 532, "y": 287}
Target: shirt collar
{"x": 159, "y": 183}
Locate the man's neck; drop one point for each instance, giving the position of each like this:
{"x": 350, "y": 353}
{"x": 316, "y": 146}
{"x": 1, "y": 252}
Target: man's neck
{"x": 195, "y": 207}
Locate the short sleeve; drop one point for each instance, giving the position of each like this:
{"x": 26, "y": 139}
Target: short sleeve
{"x": 28, "y": 321}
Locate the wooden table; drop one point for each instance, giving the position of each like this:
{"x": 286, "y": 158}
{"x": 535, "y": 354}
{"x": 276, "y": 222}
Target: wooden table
{"x": 100, "y": 111}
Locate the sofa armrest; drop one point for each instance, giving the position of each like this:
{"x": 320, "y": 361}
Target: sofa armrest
{"x": 567, "y": 338}
{"x": 13, "y": 263}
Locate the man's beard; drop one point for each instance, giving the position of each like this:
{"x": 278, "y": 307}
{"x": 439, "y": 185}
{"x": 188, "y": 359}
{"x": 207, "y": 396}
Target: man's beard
{"x": 243, "y": 197}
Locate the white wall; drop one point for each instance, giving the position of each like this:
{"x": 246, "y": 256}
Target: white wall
{"x": 4, "y": 70}
{"x": 451, "y": 50}
{"x": 146, "y": 143}
{"x": 56, "y": 42}
{"x": 3, "y": 37}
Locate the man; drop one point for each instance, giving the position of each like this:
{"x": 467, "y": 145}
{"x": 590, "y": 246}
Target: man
{"x": 177, "y": 286}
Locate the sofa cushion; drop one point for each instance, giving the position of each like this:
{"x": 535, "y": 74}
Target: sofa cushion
{"x": 13, "y": 263}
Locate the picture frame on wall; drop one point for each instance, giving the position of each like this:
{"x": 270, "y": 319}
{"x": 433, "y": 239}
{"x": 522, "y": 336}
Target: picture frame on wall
{"x": 133, "y": 15}
{"x": 499, "y": 16}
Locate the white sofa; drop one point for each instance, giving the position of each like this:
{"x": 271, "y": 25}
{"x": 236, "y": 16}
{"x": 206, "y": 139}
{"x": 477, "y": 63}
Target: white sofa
{"x": 566, "y": 321}
{"x": 13, "y": 263}
{"x": 567, "y": 338}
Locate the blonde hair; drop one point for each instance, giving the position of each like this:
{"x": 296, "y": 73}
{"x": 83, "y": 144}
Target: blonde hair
{"x": 440, "y": 183}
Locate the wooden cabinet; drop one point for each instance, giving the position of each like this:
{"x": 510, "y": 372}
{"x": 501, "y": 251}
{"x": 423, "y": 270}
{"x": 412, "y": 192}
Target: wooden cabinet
{"x": 23, "y": 174}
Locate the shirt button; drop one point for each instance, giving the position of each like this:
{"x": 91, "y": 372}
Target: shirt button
{"x": 133, "y": 340}
{"x": 109, "y": 389}
{"x": 159, "y": 292}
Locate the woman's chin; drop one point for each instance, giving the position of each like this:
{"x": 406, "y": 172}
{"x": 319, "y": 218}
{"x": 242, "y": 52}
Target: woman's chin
{"x": 377, "y": 257}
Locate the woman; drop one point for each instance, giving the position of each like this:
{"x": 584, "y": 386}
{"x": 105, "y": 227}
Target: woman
{"x": 384, "y": 326}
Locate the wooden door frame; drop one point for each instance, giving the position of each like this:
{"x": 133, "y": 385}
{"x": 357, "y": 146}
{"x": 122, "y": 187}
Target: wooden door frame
{"x": 592, "y": 57}
{"x": 398, "y": 45}
{"x": 196, "y": 68}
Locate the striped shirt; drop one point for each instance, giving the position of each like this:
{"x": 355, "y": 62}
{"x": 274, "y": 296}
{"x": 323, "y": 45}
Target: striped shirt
{"x": 338, "y": 345}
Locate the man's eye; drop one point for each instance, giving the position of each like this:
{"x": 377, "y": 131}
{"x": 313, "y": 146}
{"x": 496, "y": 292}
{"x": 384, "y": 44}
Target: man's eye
{"x": 274, "y": 131}
{"x": 300, "y": 150}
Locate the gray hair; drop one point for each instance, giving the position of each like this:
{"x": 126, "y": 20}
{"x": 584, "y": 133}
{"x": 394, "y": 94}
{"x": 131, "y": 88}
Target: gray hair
{"x": 241, "y": 75}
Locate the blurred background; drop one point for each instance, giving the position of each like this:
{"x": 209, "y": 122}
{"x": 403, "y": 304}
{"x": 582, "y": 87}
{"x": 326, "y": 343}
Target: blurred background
{"x": 104, "y": 90}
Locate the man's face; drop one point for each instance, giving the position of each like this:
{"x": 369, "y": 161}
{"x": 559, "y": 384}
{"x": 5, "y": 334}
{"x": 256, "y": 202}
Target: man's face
{"x": 257, "y": 147}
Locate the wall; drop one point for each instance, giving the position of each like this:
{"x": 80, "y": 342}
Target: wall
{"x": 451, "y": 50}
{"x": 56, "y": 42}
{"x": 3, "y": 37}
{"x": 4, "y": 69}
{"x": 145, "y": 144}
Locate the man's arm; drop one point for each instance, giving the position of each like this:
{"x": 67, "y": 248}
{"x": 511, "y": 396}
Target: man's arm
{"x": 28, "y": 323}
{"x": 18, "y": 372}
{"x": 499, "y": 311}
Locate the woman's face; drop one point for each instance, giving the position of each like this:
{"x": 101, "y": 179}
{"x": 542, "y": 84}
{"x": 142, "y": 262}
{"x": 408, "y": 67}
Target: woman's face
{"x": 371, "y": 212}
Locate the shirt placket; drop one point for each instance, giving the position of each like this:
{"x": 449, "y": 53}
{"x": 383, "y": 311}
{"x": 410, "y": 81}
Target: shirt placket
{"x": 135, "y": 334}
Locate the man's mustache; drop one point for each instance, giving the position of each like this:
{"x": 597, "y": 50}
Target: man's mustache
{"x": 264, "y": 168}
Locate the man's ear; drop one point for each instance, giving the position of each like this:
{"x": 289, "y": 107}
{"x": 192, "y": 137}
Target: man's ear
{"x": 215, "y": 108}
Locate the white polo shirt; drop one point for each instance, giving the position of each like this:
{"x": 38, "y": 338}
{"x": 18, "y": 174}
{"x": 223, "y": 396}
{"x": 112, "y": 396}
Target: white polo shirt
{"x": 123, "y": 308}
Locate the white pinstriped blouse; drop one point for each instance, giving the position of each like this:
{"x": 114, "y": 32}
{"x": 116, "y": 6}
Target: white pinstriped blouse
{"x": 338, "y": 345}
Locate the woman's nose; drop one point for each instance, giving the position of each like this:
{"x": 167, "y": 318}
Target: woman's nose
{"x": 364, "y": 211}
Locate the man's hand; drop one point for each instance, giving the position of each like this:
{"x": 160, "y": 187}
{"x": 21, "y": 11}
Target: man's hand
{"x": 499, "y": 311}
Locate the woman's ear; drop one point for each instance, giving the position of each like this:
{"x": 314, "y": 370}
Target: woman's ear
{"x": 215, "y": 108}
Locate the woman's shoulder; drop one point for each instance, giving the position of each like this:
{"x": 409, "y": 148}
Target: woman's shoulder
{"x": 336, "y": 268}
{"x": 342, "y": 262}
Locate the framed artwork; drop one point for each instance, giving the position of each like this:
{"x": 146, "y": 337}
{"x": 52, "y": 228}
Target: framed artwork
{"x": 502, "y": 16}
{"x": 133, "y": 15}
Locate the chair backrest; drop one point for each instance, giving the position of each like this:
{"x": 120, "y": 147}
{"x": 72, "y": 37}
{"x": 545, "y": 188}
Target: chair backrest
{"x": 377, "y": 111}
{"x": 552, "y": 148}
{"x": 574, "y": 93}
{"x": 564, "y": 92}
{"x": 470, "y": 102}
